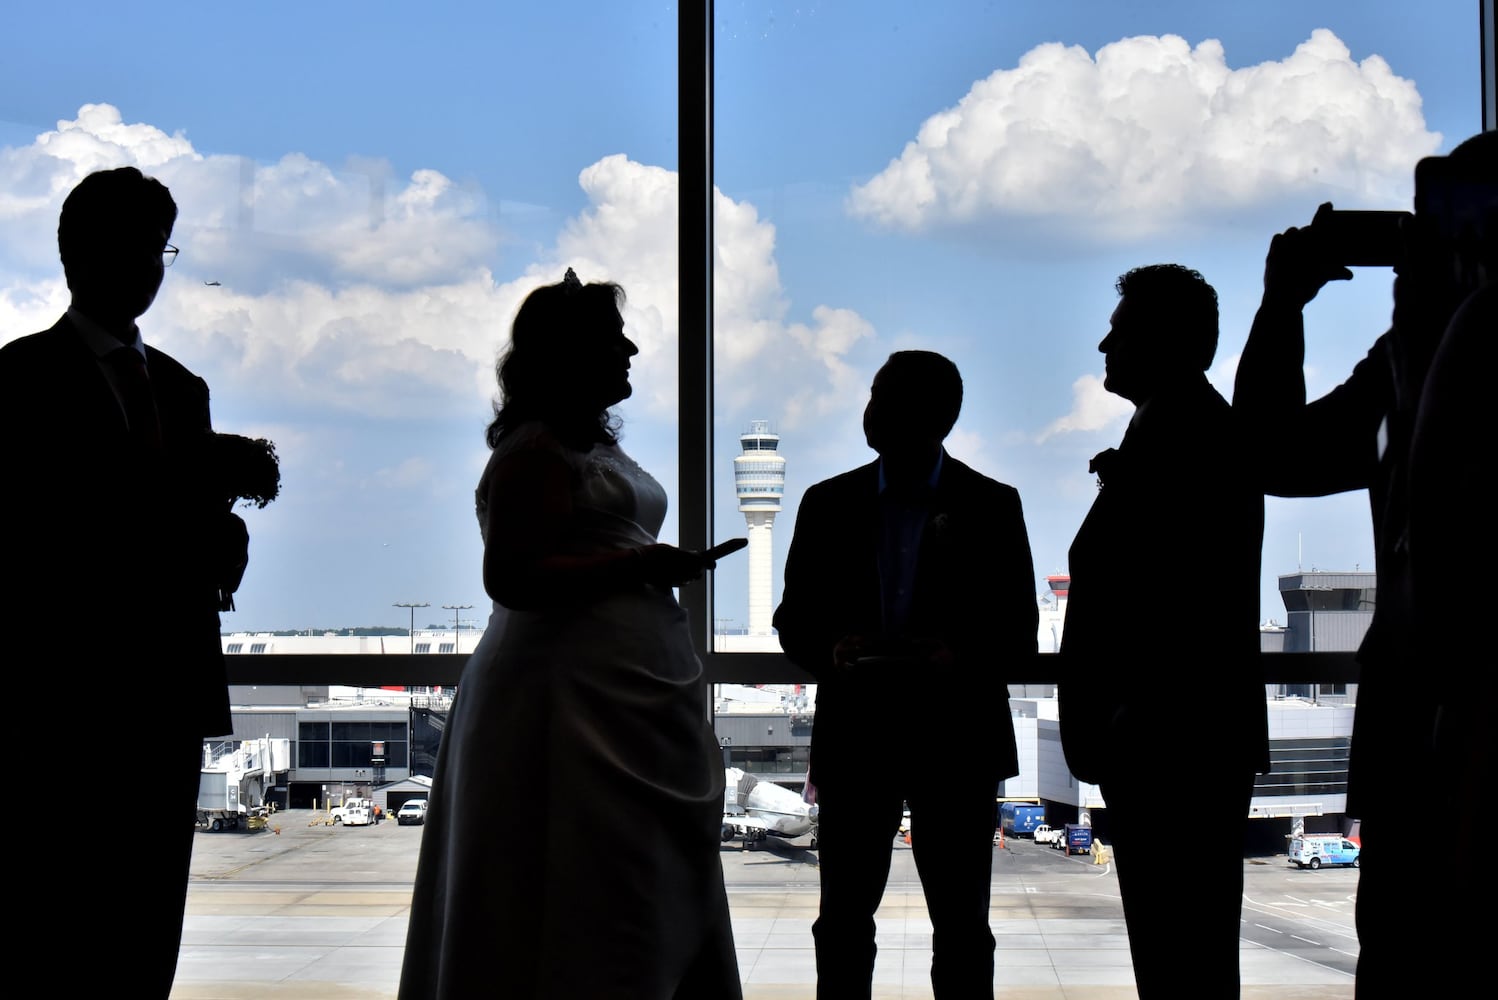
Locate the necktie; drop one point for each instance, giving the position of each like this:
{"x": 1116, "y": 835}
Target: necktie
{"x": 135, "y": 392}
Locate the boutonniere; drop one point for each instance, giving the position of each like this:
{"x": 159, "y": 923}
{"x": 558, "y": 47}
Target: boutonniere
{"x": 1104, "y": 464}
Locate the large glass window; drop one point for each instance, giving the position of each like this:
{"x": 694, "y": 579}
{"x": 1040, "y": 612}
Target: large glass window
{"x": 364, "y": 200}
{"x": 366, "y": 193}
{"x": 972, "y": 177}
{"x": 1306, "y": 767}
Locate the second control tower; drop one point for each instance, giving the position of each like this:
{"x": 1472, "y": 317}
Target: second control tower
{"x": 759, "y": 483}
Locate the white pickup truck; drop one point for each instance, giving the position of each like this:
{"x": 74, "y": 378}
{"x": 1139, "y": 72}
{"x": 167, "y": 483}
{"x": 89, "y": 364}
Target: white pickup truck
{"x": 354, "y": 812}
{"x": 1045, "y": 834}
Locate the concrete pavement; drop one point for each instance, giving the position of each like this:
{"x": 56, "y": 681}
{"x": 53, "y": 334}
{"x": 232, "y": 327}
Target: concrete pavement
{"x": 314, "y": 912}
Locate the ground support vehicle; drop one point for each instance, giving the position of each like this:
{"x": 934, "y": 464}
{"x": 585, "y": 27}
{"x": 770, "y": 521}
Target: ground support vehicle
{"x": 355, "y": 812}
{"x": 413, "y": 812}
{"x": 1046, "y": 834}
{"x": 1020, "y": 818}
{"x": 1075, "y": 839}
{"x": 1314, "y": 850}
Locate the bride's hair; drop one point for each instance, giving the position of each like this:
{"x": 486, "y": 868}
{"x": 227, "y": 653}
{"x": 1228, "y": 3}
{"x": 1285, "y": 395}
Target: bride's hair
{"x": 537, "y": 372}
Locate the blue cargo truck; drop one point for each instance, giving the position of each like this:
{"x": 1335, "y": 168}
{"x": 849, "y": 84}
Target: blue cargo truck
{"x": 1020, "y": 818}
{"x": 1075, "y": 839}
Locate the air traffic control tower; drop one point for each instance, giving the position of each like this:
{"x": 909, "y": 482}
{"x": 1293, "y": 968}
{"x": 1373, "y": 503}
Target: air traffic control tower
{"x": 759, "y": 483}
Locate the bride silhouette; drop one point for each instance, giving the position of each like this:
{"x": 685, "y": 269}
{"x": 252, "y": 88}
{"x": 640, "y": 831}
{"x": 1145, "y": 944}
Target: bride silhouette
{"x": 571, "y": 844}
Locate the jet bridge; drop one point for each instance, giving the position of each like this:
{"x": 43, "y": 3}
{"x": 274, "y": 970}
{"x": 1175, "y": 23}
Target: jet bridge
{"x": 235, "y": 782}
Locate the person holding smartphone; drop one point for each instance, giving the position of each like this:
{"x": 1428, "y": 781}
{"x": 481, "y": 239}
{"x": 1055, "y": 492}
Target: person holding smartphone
{"x": 580, "y": 715}
{"x": 911, "y": 569}
{"x": 1363, "y": 432}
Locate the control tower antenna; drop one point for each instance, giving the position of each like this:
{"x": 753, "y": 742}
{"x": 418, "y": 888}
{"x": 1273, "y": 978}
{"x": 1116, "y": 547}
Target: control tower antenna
{"x": 759, "y": 484}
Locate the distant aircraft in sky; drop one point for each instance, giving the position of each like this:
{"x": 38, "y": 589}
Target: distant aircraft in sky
{"x": 213, "y": 284}
{"x": 754, "y": 809}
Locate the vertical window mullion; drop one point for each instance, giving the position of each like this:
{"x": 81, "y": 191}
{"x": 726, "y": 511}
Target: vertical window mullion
{"x": 695, "y": 301}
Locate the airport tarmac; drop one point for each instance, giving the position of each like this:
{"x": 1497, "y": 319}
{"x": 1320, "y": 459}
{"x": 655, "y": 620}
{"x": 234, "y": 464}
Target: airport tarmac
{"x": 304, "y": 910}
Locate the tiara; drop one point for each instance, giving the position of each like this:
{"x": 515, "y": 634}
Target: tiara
{"x": 570, "y": 280}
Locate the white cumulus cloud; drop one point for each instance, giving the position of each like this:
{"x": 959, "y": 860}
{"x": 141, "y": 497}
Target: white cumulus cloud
{"x": 1093, "y": 408}
{"x": 346, "y": 290}
{"x": 1150, "y": 134}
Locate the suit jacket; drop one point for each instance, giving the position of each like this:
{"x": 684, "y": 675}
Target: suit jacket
{"x": 974, "y": 589}
{"x": 1164, "y": 592}
{"x": 111, "y": 557}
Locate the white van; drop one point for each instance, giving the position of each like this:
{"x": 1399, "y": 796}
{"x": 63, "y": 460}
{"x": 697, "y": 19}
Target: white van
{"x": 1314, "y": 850}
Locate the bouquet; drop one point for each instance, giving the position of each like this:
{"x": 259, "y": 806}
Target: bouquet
{"x": 236, "y": 469}
{"x": 243, "y": 469}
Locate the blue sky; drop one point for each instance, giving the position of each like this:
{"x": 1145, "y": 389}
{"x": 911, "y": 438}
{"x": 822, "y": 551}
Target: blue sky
{"x": 376, "y": 188}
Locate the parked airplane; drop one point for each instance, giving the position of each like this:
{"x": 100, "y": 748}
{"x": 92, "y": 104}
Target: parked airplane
{"x": 754, "y": 809}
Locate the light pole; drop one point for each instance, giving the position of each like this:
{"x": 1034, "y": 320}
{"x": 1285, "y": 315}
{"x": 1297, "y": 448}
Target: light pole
{"x": 413, "y": 608}
{"x": 455, "y": 608}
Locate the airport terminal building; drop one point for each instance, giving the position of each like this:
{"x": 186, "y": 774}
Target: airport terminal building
{"x": 361, "y": 741}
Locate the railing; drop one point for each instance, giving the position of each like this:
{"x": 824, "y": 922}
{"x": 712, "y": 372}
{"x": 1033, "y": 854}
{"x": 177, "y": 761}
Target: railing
{"x": 444, "y": 669}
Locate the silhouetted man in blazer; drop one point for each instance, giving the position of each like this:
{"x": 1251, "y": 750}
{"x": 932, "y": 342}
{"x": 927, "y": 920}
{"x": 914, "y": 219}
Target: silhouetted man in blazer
{"x": 909, "y": 578}
{"x": 1179, "y": 510}
{"x": 112, "y": 552}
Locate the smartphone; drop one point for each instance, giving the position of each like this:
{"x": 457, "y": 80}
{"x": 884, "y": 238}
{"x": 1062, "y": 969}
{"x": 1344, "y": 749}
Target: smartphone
{"x": 1365, "y": 238}
{"x": 724, "y": 548}
{"x": 1456, "y": 203}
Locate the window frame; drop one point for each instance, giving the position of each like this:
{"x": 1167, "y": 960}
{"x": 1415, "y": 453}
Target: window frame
{"x": 696, "y": 463}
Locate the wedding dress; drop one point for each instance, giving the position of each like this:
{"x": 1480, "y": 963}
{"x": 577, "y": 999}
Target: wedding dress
{"x": 571, "y": 846}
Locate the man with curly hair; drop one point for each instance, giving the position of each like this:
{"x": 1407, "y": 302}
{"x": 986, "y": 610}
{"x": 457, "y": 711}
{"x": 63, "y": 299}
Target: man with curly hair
{"x": 1176, "y": 495}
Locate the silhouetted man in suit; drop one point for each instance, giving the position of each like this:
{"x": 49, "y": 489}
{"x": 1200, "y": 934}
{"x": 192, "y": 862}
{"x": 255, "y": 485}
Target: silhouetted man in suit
{"x": 112, "y": 554}
{"x": 1408, "y": 731}
{"x": 910, "y": 574}
{"x": 1177, "y": 510}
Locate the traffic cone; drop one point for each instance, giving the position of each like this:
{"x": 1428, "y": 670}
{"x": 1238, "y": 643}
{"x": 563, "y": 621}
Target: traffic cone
{"x": 907, "y": 838}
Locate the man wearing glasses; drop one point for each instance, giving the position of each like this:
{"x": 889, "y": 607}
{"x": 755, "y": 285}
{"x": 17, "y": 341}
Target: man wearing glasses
{"x": 109, "y": 561}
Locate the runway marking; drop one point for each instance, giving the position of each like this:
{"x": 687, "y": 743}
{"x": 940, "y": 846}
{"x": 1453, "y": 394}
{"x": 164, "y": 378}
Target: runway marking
{"x": 1302, "y": 958}
{"x": 1310, "y": 961}
{"x": 1322, "y": 922}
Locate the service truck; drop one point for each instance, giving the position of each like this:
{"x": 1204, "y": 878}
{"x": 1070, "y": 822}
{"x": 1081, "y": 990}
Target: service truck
{"x": 353, "y": 812}
{"x": 1075, "y": 839}
{"x": 1312, "y": 850}
{"x": 1045, "y": 834}
{"x": 1020, "y": 818}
